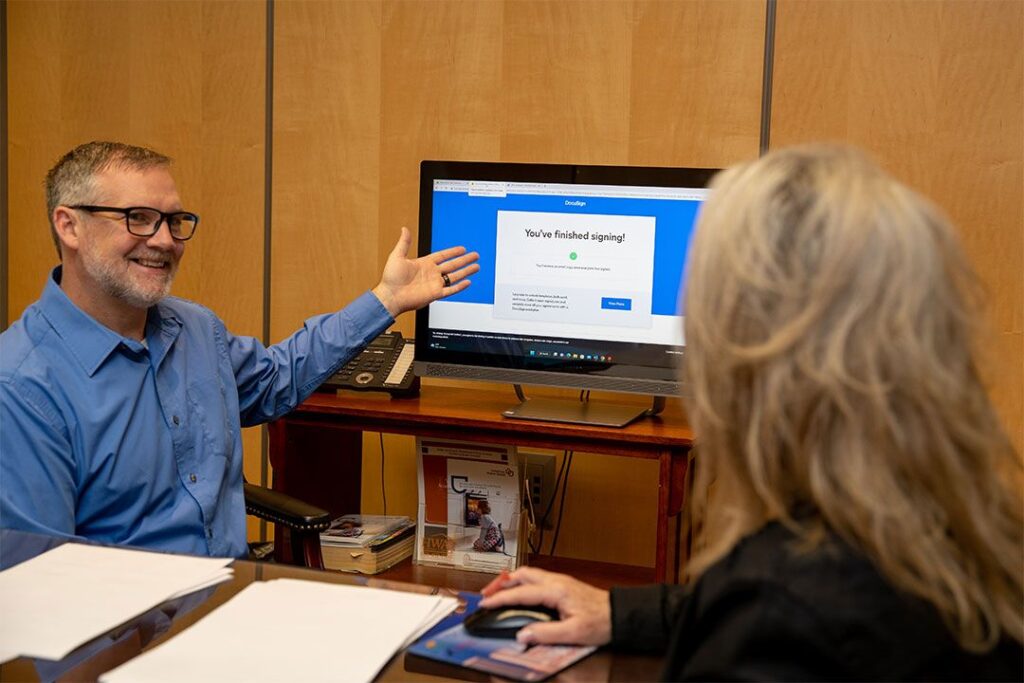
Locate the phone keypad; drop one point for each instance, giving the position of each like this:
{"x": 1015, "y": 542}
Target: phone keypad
{"x": 378, "y": 367}
{"x": 401, "y": 366}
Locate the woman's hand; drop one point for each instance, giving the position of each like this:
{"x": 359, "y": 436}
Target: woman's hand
{"x": 585, "y": 612}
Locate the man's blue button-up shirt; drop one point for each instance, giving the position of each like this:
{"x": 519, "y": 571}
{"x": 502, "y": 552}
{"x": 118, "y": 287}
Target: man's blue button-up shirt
{"x": 106, "y": 438}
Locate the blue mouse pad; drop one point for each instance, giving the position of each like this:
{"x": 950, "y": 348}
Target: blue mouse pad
{"x": 448, "y": 642}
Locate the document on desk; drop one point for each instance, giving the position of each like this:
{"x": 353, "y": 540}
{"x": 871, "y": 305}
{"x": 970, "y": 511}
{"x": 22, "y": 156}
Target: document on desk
{"x": 318, "y": 631}
{"x": 67, "y": 596}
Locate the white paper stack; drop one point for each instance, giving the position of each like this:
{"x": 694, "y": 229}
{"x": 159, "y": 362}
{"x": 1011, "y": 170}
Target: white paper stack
{"x": 57, "y": 601}
{"x": 318, "y": 632}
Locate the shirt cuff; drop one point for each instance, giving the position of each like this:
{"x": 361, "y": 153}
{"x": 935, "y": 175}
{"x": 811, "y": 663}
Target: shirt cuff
{"x": 368, "y": 315}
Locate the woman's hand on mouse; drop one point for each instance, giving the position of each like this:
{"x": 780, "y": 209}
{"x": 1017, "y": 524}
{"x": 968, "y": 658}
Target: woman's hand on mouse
{"x": 585, "y": 612}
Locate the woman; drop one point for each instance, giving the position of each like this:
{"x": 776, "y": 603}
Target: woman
{"x": 866, "y": 504}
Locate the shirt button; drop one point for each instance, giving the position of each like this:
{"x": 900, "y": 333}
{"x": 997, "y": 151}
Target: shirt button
{"x": 175, "y": 420}
{"x": 192, "y": 478}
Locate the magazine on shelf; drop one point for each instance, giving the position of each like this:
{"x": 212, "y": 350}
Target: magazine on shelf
{"x": 448, "y": 642}
{"x": 364, "y": 530}
{"x": 370, "y": 559}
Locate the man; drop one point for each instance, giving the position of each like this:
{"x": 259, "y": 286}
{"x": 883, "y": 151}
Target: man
{"x": 121, "y": 407}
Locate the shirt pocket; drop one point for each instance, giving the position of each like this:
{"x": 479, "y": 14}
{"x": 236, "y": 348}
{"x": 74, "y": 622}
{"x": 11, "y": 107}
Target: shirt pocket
{"x": 207, "y": 412}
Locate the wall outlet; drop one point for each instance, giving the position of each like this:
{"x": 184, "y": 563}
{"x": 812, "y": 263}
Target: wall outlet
{"x": 540, "y": 480}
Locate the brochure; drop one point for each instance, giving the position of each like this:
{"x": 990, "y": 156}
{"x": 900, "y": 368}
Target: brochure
{"x": 470, "y": 508}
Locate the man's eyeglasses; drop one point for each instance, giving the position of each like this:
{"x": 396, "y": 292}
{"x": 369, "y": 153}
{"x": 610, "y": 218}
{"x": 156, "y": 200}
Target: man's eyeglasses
{"x": 144, "y": 221}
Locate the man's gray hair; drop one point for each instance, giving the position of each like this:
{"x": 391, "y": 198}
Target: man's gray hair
{"x": 71, "y": 180}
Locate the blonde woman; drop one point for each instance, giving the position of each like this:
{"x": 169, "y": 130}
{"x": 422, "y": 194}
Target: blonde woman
{"x": 866, "y": 500}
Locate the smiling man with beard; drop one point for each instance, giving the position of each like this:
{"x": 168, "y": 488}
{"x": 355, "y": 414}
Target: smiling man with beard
{"x": 121, "y": 407}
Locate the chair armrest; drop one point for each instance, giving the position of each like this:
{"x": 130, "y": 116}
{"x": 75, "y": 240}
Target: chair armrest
{"x": 280, "y": 508}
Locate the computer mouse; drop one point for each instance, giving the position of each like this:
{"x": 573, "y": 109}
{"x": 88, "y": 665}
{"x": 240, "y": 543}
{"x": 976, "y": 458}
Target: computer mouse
{"x": 504, "y": 622}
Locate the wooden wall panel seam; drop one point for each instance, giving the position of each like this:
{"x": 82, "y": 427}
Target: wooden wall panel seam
{"x": 268, "y": 198}
{"x": 767, "y": 71}
{"x": 3, "y": 167}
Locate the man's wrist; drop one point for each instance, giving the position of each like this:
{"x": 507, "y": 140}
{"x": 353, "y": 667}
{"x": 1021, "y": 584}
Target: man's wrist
{"x": 387, "y": 300}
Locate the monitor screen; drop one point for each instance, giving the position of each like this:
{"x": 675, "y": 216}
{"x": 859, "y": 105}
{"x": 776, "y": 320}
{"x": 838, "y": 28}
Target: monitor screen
{"x": 580, "y": 273}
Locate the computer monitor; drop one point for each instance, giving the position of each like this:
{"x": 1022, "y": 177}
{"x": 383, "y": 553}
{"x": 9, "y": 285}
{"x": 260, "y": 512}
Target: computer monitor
{"x": 579, "y": 282}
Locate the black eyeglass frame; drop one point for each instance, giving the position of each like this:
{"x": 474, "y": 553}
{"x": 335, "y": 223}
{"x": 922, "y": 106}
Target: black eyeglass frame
{"x": 165, "y": 217}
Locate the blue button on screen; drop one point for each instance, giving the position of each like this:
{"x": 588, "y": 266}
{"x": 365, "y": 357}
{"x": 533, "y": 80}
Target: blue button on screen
{"x": 616, "y": 304}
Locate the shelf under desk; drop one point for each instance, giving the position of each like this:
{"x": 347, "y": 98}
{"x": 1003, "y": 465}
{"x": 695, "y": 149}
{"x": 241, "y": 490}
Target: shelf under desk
{"x": 304, "y": 445}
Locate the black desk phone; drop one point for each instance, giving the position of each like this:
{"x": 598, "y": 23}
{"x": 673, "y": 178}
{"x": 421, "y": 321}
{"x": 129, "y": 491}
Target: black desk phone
{"x": 384, "y": 365}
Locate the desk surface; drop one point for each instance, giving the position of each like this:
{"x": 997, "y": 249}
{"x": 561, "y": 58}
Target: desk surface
{"x": 150, "y": 629}
{"x": 470, "y": 410}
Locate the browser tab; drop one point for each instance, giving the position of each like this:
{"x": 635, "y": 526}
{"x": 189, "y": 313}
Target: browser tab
{"x": 482, "y": 188}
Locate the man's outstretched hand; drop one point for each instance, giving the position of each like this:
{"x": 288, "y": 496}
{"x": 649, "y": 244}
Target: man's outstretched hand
{"x": 407, "y": 284}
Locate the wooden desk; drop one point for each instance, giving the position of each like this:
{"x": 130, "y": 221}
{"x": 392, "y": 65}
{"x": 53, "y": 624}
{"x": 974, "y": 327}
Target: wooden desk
{"x": 304, "y": 445}
{"x": 159, "y": 624}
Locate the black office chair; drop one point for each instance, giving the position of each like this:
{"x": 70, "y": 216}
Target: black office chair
{"x": 303, "y": 521}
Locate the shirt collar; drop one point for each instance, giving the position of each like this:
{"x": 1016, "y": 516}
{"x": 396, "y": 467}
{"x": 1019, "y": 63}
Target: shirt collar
{"x": 89, "y": 342}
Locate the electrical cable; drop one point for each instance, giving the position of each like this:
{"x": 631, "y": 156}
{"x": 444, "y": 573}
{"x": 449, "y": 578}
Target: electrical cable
{"x": 567, "y": 458}
{"x": 532, "y": 515}
{"x": 551, "y": 502}
{"x": 383, "y": 490}
{"x": 561, "y": 506}
{"x": 566, "y": 466}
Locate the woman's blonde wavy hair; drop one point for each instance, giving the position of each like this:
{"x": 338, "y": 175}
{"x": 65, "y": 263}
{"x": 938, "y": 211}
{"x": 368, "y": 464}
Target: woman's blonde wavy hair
{"x": 830, "y": 326}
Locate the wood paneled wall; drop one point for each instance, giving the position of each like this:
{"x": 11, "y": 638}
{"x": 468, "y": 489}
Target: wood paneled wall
{"x": 365, "y": 89}
{"x": 935, "y": 91}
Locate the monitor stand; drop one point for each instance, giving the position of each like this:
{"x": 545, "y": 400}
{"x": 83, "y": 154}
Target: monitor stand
{"x": 579, "y": 412}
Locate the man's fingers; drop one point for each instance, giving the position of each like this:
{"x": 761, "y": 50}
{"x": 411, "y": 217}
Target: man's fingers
{"x": 456, "y": 275}
{"x": 455, "y": 288}
{"x": 456, "y": 263}
{"x": 404, "y": 242}
{"x": 440, "y": 257}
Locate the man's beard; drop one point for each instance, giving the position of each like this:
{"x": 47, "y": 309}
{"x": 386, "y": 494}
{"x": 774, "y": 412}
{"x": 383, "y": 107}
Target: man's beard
{"x": 116, "y": 281}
